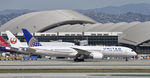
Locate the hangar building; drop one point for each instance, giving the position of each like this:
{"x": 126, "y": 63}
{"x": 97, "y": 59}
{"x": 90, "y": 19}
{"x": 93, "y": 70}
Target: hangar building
{"x": 71, "y": 26}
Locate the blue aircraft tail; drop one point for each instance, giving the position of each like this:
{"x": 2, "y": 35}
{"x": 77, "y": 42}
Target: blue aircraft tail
{"x": 31, "y": 41}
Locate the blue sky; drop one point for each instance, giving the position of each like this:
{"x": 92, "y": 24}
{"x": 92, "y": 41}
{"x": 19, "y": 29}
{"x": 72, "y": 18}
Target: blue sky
{"x": 64, "y": 4}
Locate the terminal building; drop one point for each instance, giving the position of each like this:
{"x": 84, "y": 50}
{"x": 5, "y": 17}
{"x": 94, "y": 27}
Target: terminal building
{"x": 90, "y": 38}
{"x": 71, "y": 26}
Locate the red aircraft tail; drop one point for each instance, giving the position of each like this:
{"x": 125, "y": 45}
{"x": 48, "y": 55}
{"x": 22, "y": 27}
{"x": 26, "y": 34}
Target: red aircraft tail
{"x": 3, "y": 42}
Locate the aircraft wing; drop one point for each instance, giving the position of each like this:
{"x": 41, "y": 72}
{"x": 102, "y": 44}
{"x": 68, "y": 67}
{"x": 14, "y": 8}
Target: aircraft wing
{"x": 81, "y": 51}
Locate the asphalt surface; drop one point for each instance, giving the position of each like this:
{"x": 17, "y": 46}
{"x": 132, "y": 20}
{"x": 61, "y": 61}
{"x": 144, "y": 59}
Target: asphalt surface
{"x": 74, "y": 75}
{"x": 69, "y": 64}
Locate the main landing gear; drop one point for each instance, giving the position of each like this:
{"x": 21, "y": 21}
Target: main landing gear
{"x": 78, "y": 60}
{"x": 126, "y": 59}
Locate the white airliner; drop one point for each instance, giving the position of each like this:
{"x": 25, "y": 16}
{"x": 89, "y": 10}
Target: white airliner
{"x": 54, "y": 43}
{"x": 79, "y": 53}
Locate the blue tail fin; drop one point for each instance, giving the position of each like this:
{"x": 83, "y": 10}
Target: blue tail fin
{"x": 31, "y": 41}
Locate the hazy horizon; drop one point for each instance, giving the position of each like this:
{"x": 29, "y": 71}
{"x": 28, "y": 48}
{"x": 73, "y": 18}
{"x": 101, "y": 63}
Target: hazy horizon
{"x": 64, "y": 4}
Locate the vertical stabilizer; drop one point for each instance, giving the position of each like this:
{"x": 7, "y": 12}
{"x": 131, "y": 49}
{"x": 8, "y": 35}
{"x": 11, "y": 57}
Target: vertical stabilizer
{"x": 14, "y": 42}
{"x": 31, "y": 41}
{"x": 3, "y": 42}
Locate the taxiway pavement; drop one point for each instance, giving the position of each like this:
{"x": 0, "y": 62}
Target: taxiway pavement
{"x": 68, "y": 64}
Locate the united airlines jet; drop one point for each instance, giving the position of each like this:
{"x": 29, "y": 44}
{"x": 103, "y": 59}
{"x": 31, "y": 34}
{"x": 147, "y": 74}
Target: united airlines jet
{"x": 79, "y": 53}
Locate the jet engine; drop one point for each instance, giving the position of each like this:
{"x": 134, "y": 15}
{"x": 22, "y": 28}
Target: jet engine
{"x": 96, "y": 55}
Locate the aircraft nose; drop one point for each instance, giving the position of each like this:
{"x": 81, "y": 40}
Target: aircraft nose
{"x": 134, "y": 53}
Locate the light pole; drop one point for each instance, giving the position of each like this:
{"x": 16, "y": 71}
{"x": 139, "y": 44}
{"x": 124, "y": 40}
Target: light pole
{"x": 83, "y": 29}
{"x": 34, "y": 27}
{"x": 17, "y": 28}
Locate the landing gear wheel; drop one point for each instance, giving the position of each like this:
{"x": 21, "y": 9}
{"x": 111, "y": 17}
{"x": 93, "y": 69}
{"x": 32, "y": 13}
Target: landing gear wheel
{"x": 81, "y": 59}
{"x": 126, "y": 59}
{"x": 75, "y": 60}
{"x": 78, "y": 60}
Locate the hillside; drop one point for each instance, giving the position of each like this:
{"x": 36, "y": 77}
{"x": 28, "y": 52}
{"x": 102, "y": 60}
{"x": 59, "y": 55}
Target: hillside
{"x": 115, "y": 14}
{"x": 115, "y": 18}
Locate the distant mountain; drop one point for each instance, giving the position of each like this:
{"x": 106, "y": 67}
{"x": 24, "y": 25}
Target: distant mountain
{"x": 135, "y": 8}
{"x": 115, "y": 18}
{"x": 125, "y": 13}
{"x": 14, "y": 11}
{"x": 7, "y": 15}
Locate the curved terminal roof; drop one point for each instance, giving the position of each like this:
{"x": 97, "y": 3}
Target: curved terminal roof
{"x": 110, "y": 27}
{"x": 45, "y": 20}
{"x": 99, "y": 28}
{"x": 137, "y": 34}
{"x": 125, "y": 26}
{"x": 134, "y": 33}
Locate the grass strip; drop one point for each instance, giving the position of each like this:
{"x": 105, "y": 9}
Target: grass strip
{"x": 147, "y": 75}
{"x": 73, "y": 70}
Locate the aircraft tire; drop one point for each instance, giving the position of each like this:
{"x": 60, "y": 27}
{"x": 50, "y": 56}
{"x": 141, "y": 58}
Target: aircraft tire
{"x": 126, "y": 59}
{"x": 78, "y": 60}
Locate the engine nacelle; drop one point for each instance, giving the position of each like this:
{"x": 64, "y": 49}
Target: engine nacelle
{"x": 96, "y": 55}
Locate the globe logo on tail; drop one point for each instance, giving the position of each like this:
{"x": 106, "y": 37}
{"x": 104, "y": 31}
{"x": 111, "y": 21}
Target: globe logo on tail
{"x": 33, "y": 42}
{"x": 13, "y": 40}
